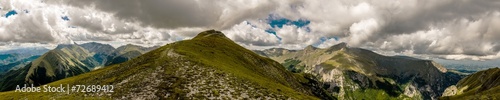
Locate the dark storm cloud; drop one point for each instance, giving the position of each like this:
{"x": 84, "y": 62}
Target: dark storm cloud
{"x": 431, "y": 12}
{"x": 461, "y": 28}
{"x": 179, "y": 13}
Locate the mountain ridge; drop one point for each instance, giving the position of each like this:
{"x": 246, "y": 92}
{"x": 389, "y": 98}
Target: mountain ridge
{"x": 341, "y": 67}
{"x": 66, "y": 60}
{"x": 209, "y": 66}
{"x": 484, "y": 84}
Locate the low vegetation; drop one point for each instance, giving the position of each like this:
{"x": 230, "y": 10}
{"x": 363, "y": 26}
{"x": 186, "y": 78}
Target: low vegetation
{"x": 483, "y": 85}
{"x": 210, "y": 66}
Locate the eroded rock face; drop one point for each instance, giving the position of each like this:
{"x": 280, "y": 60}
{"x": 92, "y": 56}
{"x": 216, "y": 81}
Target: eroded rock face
{"x": 333, "y": 80}
{"x": 439, "y": 67}
{"x": 411, "y": 91}
{"x": 350, "y": 70}
{"x": 450, "y": 91}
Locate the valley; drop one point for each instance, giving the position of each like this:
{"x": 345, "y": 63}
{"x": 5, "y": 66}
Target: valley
{"x": 67, "y": 60}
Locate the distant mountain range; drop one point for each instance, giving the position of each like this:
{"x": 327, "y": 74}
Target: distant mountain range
{"x": 125, "y": 53}
{"x": 29, "y": 51}
{"x": 355, "y": 73}
{"x": 18, "y": 62}
{"x": 469, "y": 66}
{"x": 16, "y": 58}
{"x": 67, "y": 60}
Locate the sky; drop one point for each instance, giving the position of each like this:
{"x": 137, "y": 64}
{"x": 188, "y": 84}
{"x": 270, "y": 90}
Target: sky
{"x": 448, "y": 29}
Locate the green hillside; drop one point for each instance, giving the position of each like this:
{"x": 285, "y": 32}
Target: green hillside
{"x": 125, "y": 53}
{"x": 482, "y": 85}
{"x": 68, "y": 60}
{"x": 95, "y": 47}
{"x": 101, "y": 52}
{"x": 65, "y": 61}
{"x": 354, "y": 73}
{"x": 209, "y": 66}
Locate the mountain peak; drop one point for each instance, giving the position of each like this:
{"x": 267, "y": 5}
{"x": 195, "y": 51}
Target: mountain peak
{"x": 210, "y": 33}
{"x": 338, "y": 46}
{"x": 310, "y": 47}
{"x": 60, "y": 46}
{"x": 98, "y": 47}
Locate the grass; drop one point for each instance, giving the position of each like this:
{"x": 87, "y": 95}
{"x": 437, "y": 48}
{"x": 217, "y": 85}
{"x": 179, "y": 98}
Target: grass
{"x": 208, "y": 50}
{"x": 293, "y": 65}
{"x": 222, "y": 53}
{"x": 48, "y": 67}
{"x": 481, "y": 85}
{"x": 372, "y": 93}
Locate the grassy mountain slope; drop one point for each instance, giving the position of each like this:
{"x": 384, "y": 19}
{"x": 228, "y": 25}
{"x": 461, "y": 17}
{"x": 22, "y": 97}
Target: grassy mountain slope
{"x": 95, "y": 47}
{"x": 354, "y": 73}
{"x": 106, "y": 55}
{"x": 65, "y": 61}
{"x": 68, "y": 60}
{"x": 209, "y": 66}
{"x": 101, "y": 52}
{"x": 125, "y": 53}
{"x": 481, "y": 85}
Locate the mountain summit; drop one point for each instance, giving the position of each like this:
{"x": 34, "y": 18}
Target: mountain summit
{"x": 210, "y": 33}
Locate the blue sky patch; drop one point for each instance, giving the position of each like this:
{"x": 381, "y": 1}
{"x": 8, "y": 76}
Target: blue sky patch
{"x": 66, "y": 18}
{"x": 336, "y": 38}
{"x": 323, "y": 39}
{"x": 10, "y": 13}
{"x": 279, "y": 22}
{"x": 271, "y": 31}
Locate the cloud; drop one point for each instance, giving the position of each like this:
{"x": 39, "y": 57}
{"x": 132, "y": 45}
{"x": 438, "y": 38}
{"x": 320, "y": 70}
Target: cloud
{"x": 457, "y": 39}
{"x": 245, "y": 33}
{"x": 361, "y": 31}
{"x": 28, "y": 27}
{"x": 426, "y": 27}
{"x": 292, "y": 34}
{"x": 173, "y": 14}
{"x": 464, "y": 29}
{"x": 420, "y": 15}
{"x": 39, "y": 22}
